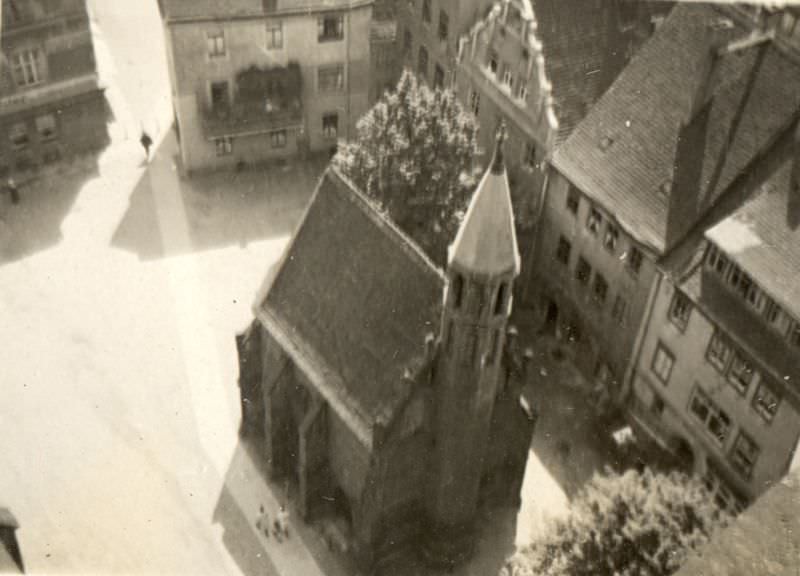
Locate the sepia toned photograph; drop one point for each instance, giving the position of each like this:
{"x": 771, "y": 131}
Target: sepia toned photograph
{"x": 400, "y": 287}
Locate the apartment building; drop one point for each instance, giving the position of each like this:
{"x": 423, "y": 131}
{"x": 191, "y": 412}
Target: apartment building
{"x": 429, "y": 32}
{"x": 51, "y": 104}
{"x": 256, "y": 80}
{"x": 716, "y": 380}
{"x": 539, "y": 65}
{"x": 699, "y": 104}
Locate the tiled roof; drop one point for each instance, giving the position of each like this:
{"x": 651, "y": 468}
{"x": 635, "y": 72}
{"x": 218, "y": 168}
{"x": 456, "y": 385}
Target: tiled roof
{"x": 355, "y": 296}
{"x": 761, "y": 240}
{"x": 580, "y": 55}
{"x": 203, "y": 9}
{"x": 622, "y": 154}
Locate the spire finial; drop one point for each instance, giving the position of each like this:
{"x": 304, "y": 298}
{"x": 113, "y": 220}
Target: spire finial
{"x": 498, "y": 164}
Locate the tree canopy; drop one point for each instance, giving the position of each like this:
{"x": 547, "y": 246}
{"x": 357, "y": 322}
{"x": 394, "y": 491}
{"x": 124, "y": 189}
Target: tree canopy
{"x": 634, "y": 524}
{"x": 414, "y": 155}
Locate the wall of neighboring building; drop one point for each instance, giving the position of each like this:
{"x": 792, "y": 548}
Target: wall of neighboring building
{"x": 53, "y": 107}
{"x": 666, "y": 407}
{"x": 460, "y": 14}
{"x": 601, "y": 335}
{"x": 192, "y": 72}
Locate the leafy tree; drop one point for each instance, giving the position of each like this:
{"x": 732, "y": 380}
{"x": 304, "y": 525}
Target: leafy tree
{"x": 413, "y": 154}
{"x": 634, "y": 524}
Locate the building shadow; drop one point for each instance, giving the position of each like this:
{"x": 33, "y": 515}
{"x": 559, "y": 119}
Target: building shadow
{"x": 46, "y": 198}
{"x": 169, "y": 215}
{"x": 240, "y": 535}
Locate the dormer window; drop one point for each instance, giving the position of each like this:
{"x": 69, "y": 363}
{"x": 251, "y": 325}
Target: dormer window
{"x": 458, "y": 289}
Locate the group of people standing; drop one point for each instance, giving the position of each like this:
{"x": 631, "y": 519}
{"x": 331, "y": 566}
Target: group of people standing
{"x": 279, "y": 526}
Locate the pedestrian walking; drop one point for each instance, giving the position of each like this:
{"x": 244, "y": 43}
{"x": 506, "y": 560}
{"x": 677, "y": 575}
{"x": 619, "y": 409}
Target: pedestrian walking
{"x": 13, "y": 190}
{"x": 146, "y": 142}
{"x": 283, "y": 521}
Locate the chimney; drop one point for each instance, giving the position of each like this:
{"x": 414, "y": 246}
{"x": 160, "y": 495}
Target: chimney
{"x": 684, "y": 189}
{"x": 793, "y": 209}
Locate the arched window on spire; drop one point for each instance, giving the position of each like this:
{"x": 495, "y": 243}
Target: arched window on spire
{"x": 458, "y": 289}
{"x": 500, "y": 299}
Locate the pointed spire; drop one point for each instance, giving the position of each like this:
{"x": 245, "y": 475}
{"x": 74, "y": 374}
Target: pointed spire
{"x": 486, "y": 243}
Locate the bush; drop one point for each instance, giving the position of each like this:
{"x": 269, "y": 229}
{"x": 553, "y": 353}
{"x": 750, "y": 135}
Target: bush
{"x": 634, "y": 524}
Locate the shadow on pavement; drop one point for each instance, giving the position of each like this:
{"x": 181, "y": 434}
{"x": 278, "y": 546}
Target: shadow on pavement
{"x": 216, "y": 209}
{"x": 46, "y": 198}
{"x": 239, "y": 536}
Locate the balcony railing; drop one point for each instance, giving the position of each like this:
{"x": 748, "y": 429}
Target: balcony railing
{"x": 265, "y": 99}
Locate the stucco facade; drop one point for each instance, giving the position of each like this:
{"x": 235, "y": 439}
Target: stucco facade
{"x": 597, "y": 308}
{"x": 221, "y": 127}
{"x": 51, "y": 105}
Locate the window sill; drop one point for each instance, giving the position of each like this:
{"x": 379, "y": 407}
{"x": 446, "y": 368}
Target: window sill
{"x": 332, "y": 39}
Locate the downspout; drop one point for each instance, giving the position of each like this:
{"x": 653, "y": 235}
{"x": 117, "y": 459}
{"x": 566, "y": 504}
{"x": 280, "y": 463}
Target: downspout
{"x": 630, "y": 371}
{"x": 534, "y": 236}
{"x": 349, "y": 75}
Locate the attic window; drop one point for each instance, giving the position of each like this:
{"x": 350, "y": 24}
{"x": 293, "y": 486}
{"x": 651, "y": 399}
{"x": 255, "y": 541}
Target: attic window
{"x": 721, "y": 23}
{"x": 606, "y": 143}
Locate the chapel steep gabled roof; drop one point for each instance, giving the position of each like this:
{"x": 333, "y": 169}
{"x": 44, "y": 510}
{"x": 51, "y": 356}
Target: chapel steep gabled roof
{"x": 486, "y": 242}
{"x": 352, "y": 302}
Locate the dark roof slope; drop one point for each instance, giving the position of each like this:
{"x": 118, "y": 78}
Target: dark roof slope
{"x": 356, "y": 295}
{"x": 583, "y": 52}
{"x": 211, "y": 9}
{"x": 622, "y": 154}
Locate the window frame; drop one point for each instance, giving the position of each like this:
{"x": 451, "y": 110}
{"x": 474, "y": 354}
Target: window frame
{"x": 223, "y": 146}
{"x": 324, "y": 27}
{"x": 735, "y": 455}
{"x": 735, "y": 380}
{"x": 634, "y": 261}
{"x": 680, "y": 310}
{"x": 443, "y": 30}
{"x": 573, "y": 202}
{"x": 594, "y": 221}
{"x": 713, "y": 415}
{"x": 327, "y": 72}
{"x": 277, "y": 139}
{"x": 720, "y": 364}
{"x": 19, "y": 137}
{"x": 216, "y": 45}
{"x": 271, "y": 27}
{"x": 761, "y": 408}
{"x": 45, "y": 136}
{"x": 529, "y": 156}
{"x": 612, "y": 233}
{"x": 662, "y": 352}
{"x": 326, "y": 132}
{"x": 27, "y": 67}
{"x": 562, "y": 245}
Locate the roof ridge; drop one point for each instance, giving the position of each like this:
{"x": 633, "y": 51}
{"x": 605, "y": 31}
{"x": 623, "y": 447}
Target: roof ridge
{"x": 374, "y": 211}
